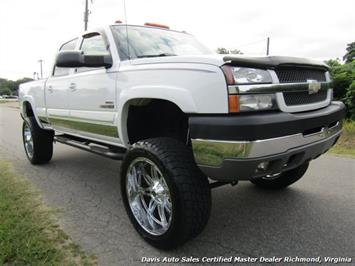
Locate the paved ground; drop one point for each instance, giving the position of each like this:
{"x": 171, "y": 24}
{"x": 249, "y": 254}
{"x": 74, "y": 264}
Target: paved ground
{"x": 314, "y": 217}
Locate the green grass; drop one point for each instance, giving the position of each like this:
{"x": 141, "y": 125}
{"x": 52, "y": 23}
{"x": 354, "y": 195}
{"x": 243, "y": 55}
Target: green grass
{"x": 29, "y": 233}
{"x": 3, "y": 101}
{"x": 346, "y": 142}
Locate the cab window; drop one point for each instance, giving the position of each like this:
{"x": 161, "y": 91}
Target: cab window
{"x": 93, "y": 44}
{"x": 68, "y": 46}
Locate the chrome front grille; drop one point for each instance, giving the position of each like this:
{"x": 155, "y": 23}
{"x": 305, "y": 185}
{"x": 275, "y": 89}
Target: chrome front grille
{"x": 303, "y": 97}
{"x": 299, "y": 74}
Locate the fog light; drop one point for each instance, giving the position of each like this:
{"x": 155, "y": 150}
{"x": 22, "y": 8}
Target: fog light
{"x": 257, "y": 102}
{"x": 263, "y": 166}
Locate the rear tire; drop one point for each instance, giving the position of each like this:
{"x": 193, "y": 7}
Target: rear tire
{"x": 283, "y": 180}
{"x": 182, "y": 185}
{"x": 38, "y": 143}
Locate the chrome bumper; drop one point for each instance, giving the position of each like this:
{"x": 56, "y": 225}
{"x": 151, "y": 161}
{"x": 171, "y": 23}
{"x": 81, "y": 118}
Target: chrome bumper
{"x": 232, "y": 161}
{"x": 214, "y": 152}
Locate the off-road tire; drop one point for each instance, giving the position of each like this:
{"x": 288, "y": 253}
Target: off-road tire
{"x": 42, "y": 142}
{"x": 189, "y": 190}
{"x": 283, "y": 180}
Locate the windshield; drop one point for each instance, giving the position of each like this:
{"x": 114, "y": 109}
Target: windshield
{"x": 154, "y": 42}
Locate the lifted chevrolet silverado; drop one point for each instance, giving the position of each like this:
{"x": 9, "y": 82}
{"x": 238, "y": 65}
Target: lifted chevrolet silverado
{"x": 181, "y": 118}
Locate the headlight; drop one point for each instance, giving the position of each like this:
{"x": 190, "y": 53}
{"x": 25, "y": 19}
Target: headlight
{"x": 252, "y": 102}
{"x": 245, "y": 75}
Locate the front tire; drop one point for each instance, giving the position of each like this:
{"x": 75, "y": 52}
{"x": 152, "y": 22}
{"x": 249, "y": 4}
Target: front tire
{"x": 283, "y": 180}
{"x": 166, "y": 196}
{"x": 38, "y": 143}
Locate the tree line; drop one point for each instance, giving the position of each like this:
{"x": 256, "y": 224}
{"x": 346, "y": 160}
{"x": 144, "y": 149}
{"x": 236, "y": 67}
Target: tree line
{"x": 343, "y": 76}
{"x": 10, "y": 87}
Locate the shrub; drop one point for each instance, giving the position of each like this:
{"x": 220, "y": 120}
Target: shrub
{"x": 350, "y": 100}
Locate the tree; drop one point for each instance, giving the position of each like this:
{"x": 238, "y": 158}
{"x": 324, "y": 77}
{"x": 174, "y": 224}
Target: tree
{"x": 5, "y": 91}
{"x": 10, "y": 86}
{"x": 342, "y": 75}
{"x": 350, "y": 100}
{"x": 235, "y": 51}
{"x": 222, "y": 50}
{"x": 332, "y": 63}
{"x": 350, "y": 54}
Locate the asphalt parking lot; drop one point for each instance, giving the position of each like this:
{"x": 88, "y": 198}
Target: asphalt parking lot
{"x": 315, "y": 217}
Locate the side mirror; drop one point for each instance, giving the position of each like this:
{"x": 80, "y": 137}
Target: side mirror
{"x": 78, "y": 59}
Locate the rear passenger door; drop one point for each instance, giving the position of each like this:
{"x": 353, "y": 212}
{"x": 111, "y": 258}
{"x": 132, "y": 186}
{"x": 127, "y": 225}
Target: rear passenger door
{"x": 57, "y": 92}
{"x": 92, "y": 94}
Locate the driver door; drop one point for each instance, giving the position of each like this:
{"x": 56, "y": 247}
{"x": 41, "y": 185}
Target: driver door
{"x": 92, "y": 91}
{"x": 57, "y": 93}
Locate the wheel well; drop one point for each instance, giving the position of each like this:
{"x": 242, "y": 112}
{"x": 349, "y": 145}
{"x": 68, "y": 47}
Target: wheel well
{"x": 27, "y": 109}
{"x": 149, "y": 118}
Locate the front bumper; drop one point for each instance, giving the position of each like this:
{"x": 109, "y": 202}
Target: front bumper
{"x": 283, "y": 140}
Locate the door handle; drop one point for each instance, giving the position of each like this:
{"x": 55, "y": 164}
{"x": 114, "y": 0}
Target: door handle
{"x": 72, "y": 86}
{"x": 50, "y": 89}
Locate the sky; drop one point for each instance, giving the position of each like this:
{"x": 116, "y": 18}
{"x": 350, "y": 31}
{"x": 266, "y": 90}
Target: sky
{"x": 33, "y": 30}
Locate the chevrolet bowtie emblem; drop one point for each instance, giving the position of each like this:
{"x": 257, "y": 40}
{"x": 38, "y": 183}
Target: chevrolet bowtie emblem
{"x": 313, "y": 86}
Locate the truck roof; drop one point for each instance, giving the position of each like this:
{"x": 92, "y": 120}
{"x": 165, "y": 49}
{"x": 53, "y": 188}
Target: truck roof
{"x": 149, "y": 26}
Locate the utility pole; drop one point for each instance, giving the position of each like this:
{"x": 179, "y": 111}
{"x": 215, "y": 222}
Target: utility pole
{"x": 86, "y": 15}
{"x": 267, "y": 45}
{"x": 41, "y": 68}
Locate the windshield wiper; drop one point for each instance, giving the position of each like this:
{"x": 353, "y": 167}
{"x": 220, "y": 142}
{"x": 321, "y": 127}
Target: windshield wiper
{"x": 155, "y": 55}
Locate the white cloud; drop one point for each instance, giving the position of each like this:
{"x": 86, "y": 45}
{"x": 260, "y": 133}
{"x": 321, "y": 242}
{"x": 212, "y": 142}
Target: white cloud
{"x": 31, "y": 30}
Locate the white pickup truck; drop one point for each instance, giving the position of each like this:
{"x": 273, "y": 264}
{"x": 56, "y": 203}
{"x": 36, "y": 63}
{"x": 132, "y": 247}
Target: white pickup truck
{"x": 180, "y": 116}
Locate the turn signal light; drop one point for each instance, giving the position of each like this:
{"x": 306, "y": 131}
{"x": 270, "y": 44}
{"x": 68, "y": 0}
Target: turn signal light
{"x": 233, "y": 103}
{"x": 156, "y": 25}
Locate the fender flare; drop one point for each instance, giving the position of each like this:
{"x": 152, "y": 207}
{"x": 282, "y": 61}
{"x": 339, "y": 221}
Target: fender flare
{"x": 30, "y": 100}
{"x": 181, "y": 97}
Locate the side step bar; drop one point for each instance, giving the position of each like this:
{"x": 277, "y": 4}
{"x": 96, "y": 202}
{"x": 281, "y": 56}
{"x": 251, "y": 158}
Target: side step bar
{"x": 111, "y": 152}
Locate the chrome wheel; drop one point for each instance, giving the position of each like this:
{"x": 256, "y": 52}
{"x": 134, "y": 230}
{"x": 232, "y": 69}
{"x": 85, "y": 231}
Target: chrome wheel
{"x": 28, "y": 141}
{"x": 149, "y": 196}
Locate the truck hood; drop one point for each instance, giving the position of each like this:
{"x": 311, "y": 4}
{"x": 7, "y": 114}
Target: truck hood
{"x": 237, "y": 60}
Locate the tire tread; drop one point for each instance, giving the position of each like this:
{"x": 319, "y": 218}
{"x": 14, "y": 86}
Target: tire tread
{"x": 42, "y": 142}
{"x": 191, "y": 183}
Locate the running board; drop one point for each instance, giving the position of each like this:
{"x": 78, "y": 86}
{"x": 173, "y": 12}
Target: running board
{"x": 96, "y": 148}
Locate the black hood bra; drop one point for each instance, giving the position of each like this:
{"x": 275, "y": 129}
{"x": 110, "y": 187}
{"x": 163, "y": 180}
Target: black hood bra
{"x": 274, "y": 62}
